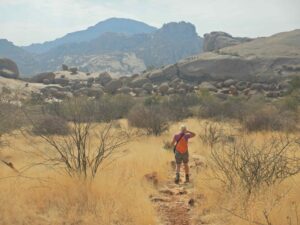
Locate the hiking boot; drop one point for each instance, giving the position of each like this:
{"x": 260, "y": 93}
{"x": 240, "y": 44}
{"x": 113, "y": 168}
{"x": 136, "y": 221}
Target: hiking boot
{"x": 177, "y": 178}
{"x": 187, "y": 178}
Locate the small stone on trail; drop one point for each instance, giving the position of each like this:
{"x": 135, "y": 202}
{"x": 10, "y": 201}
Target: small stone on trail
{"x": 191, "y": 202}
{"x": 181, "y": 192}
{"x": 160, "y": 199}
{"x": 166, "y": 191}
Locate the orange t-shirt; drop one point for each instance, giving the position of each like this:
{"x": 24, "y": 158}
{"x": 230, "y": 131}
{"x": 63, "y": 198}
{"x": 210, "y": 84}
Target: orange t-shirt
{"x": 182, "y": 142}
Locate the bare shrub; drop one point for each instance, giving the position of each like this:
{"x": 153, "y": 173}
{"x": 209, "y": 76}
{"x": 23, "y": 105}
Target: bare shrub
{"x": 151, "y": 118}
{"x": 214, "y": 132}
{"x": 51, "y": 125}
{"x": 242, "y": 163}
{"x": 211, "y": 134}
{"x": 77, "y": 151}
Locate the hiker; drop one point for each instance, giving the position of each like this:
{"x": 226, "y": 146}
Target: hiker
{"x": 180, "y": 143}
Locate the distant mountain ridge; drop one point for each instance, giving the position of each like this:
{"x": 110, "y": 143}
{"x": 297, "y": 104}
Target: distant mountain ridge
{"x": 131, "y": 49}
{"x": 174, "y": 41}
{"x": 112, "y": 25}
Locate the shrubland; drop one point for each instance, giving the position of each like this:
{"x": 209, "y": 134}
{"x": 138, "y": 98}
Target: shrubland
{"x": 84, "y": 161}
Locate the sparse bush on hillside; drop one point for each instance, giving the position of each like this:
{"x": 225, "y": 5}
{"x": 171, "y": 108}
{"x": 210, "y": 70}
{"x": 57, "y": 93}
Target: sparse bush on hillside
{"x": 270, "y": 118}
{"x": 290, "y": 102}
{"x": 243, "y": 163}
{"x": 295, "y": 83}
{"x": 152, "y": 100}
{"x": 79, "y": 109}
{"x": 178, "y": 106}
{"x": 254, "y": 114}
{"x": 151, "y": 118}
{"x": 51, "y": 125}
{"x": 104, "y": 109}
{"x": 10, "y": 118}
{"x": 5, "y": 122}
{"x": 213, "y": 107}
{"x": 210, "y": 107}
{"x": 113, "y": 107}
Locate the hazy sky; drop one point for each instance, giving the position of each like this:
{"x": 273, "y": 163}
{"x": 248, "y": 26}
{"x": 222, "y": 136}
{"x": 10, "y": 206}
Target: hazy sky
{"x": 28, "y": 21}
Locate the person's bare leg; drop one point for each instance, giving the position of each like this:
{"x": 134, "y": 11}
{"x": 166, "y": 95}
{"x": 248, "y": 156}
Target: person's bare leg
{"x": 178, "y": 168}
{"x": 177, "y": 173}
{"x": 186, "y": 170}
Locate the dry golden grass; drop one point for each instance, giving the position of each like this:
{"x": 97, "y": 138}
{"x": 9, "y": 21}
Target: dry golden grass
{"x": 120, "y": 193}
{"x": 281, "y": 202}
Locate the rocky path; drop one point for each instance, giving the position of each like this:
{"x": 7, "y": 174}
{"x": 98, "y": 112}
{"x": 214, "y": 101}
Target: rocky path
{"x": 175, "y": 202}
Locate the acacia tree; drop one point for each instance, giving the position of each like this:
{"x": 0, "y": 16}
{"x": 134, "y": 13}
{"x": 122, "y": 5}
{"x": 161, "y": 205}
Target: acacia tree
{"x": 87, "y": 146}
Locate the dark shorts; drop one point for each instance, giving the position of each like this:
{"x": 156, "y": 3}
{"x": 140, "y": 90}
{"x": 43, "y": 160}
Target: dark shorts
{"x": 179, "y": 157}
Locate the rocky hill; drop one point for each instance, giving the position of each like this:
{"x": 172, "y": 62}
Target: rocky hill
{"x": 121, "y": 53}
{"x": 263, "y": 59}
{"x": 286, "y": 44}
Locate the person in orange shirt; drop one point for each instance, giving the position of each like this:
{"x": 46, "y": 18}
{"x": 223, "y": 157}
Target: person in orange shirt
{"x": 180, "y": 143}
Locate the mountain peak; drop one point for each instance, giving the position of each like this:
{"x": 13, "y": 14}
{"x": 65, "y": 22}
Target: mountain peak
{"x": 121, "y": 25}
{"x": 179, "y": 27}
{"x": 111, "y": 25}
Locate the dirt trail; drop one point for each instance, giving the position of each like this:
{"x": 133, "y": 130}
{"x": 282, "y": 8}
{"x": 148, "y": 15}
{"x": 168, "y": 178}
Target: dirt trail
{"x": 175, "y": 202}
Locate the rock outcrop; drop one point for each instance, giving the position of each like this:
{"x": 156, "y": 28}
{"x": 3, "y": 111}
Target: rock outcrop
{"x": 113, "y": 86}
{"x": 8, "y": 68}
{"x": 47, "y": 77}
{"x": 104, "y": 78}
{"x": 216, "y": 40}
